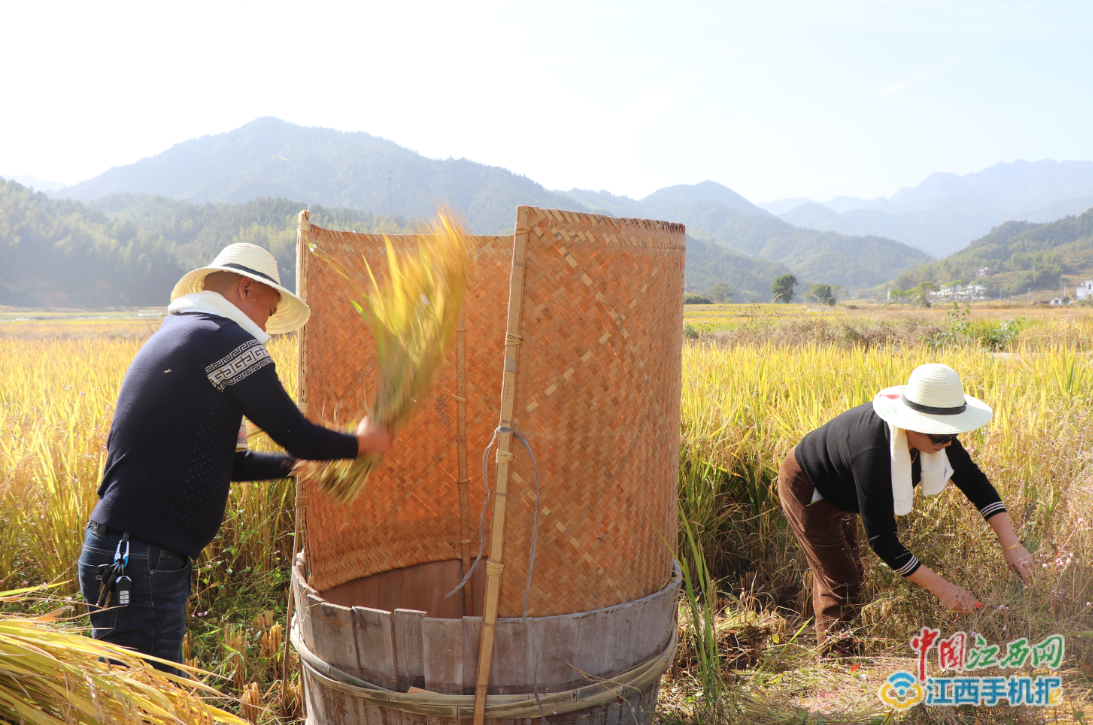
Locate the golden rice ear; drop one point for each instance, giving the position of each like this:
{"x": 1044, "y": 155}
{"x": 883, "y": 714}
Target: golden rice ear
{"x": 412, "y": 311}
{"x": 52, "y": 671}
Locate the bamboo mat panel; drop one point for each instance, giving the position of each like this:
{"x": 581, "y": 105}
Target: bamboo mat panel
{"x": 597, "y": 395}
{"x": 409, "y": 512}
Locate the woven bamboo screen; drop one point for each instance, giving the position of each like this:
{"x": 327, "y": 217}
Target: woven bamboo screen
{"x": 597, "y": 394}
{"x": 410, "y": 511}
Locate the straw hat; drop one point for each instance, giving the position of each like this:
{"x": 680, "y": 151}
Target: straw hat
{"x": 932, "y": 401}
{"x": 258, "y": 264}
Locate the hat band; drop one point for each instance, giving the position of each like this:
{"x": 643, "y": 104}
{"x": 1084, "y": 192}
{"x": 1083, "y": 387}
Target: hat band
{"x": 248, "y": 270}
{"x": 932, "y": 410}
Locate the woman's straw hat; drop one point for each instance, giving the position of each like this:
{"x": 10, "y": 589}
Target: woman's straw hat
{"x": 258, "y": 264}
{"x": 932, "y": 402}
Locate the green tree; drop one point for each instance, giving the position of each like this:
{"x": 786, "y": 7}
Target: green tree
{"x": 822, "y": 293}
{"x": 920, "y": 295}
{"x": 694, "y": 298}
{"x": 720, "y": 292}
{"x": 782, "y": 288}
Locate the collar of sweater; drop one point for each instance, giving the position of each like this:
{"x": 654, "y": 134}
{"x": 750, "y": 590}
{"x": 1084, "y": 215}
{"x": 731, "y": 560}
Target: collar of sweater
{"x": 213, "y": 303}
{"x": 936, "y": 471}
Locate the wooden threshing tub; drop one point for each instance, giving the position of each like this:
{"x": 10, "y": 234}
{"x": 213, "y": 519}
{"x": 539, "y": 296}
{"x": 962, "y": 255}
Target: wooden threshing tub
{"x": 571, "y": 344}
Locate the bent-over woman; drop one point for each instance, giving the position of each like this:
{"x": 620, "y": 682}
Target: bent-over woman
{"x": 867, "y": 461}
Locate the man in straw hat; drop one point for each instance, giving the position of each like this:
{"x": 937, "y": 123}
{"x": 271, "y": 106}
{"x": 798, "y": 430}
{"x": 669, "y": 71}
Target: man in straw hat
{"x": 867, "y": 462}
{"x": 177, "y": 441}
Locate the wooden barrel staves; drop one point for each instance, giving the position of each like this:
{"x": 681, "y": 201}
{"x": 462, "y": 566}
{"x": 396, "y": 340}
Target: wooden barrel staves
{"x": 365, "y": 665}
{"x": 561, "y": 396}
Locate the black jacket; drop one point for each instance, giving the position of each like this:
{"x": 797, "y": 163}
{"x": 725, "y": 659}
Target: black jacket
{"x": 849, "y": 461}
{"x": 171, "y": 452}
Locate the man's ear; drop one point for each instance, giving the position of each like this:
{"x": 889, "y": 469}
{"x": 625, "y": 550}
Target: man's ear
{"x": 246, "y": 284}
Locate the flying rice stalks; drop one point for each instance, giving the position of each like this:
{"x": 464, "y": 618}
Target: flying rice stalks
{"x": 413, "y": 315}
{"x": 54, "y": 675}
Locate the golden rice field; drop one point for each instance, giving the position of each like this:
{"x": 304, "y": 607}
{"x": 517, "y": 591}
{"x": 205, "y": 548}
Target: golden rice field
{"x": 751, "y": 389}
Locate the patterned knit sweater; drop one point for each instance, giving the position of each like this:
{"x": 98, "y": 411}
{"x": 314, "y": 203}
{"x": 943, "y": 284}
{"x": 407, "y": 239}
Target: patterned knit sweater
{"x": 171, "y": 454}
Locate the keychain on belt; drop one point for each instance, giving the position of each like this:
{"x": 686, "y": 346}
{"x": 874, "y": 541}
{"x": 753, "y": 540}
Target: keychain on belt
{"x": 112, "y": 577}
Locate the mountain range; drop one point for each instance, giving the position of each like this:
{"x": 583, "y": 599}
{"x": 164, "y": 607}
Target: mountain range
{"x": 1016, "y": 257}
{"x": 946, "y": 212}
{"x": 269, "y": 158}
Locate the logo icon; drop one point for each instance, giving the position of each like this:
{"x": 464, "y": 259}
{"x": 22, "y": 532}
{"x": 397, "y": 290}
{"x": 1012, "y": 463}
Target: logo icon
{"x": 901, "y": 691}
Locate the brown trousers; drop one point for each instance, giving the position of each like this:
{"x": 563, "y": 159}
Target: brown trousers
{"x": 829, "y": 538}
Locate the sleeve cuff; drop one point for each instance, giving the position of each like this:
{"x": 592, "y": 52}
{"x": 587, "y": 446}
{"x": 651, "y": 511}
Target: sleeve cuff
{"x": 910, "y": 567}
{"x": 991, "y": 509}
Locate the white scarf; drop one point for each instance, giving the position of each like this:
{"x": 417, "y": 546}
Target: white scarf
{"x": 213, "y": 303}
{"x": 935, "y": 472}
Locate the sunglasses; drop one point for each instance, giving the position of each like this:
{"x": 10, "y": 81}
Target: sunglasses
{"x": 941, "y": 440}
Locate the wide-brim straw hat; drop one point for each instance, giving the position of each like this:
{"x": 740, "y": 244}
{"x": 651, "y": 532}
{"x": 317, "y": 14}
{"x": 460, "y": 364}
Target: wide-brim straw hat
{"x": 251, "y": 261}
{"x": 932, "y": 402}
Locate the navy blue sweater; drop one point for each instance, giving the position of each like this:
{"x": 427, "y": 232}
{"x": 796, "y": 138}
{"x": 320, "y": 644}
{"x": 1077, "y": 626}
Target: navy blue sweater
{"x": 171, "y": 454}
{"x": 849, "y": 461}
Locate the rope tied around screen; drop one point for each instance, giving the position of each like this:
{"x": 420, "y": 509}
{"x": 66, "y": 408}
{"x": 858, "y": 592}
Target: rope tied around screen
{"x": 496, "y": 566}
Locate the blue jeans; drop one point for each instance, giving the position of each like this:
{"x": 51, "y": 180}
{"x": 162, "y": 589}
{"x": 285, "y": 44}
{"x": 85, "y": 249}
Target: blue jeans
{"x": 154, "y": 622}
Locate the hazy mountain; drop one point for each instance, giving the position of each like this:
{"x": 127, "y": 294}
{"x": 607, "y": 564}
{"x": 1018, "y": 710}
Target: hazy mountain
{"x": 1058, "y": 210}
{"x": 1013, "y": 188}
{"x": 843, "y": 204}
{"x": 828, "y": 257}
{"x": 705, "y": 191}
{"x": 946, "y": 211}
{"x": 709, "y": 263}
{"x": 748, "y": 250}
{"x": 38, "y": 184}
{"x": 936, "y": 226}
{"x": 719, "y": 215}
{"x": 1021, "y": 255}
{"x": 813, "y": 215}
{"x": 781, "y": 206}
{"x": 604, "y": 202}
{"x": 269, "y": 157}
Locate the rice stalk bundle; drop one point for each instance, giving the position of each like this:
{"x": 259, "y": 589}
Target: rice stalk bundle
{"x": 53, "y": 675}
{"x": 413, "y": 315}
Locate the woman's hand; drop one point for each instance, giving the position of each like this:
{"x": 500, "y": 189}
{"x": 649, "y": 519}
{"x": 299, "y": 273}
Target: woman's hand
{"x": 957, "y": 599}
{"x": 372, "y": 438}
{"x": 1020, "y": 560}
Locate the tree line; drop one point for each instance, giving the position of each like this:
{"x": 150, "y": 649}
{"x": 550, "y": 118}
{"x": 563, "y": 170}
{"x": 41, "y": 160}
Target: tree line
{"x": 131, "y": 249}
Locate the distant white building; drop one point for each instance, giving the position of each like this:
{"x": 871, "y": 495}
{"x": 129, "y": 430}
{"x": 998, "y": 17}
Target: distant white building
{"x": 984, "y": 272}
{"x": 1084, "y": 290}
{"x": 960, "y": 292}
{"x": 1056, "y": 301}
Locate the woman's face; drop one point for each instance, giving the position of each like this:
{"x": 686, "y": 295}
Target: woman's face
{"x": 922, "y": 442}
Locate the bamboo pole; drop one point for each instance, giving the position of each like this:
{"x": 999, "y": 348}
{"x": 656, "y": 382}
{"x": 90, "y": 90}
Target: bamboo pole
{"x": 461, "y": 451}
{"x": 494, "y": 566}
{"x": 302, "y": 230}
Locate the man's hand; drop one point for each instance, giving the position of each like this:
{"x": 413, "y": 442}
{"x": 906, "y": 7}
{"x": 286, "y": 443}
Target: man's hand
{"x": 372, "y": 438}
{"x": 1020, "y": 560}
{"x": 956, "y": 598}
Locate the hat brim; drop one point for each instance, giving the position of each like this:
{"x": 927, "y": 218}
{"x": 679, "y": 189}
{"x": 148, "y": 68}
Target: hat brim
{"x": 889, "y": 405}
{"x": 291, "y": 314}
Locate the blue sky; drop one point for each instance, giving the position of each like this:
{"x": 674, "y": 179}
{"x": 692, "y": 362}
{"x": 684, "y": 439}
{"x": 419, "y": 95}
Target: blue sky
{"x": 774, "y": 99}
